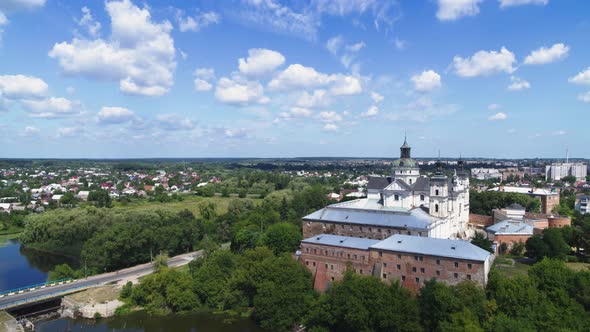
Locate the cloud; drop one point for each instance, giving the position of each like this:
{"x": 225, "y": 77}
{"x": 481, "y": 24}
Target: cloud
{"x": 293, "y": 113}
{"x": 69, "y": 132}
{"x": 585, "y": 97}
{"x": 319, "y": 98}
{"x": 196, "y": 23}
{"x": 377, "y": 98}
{"x": 14, "y": 5}
{"x": 421, "y": 110}
{"x": 235, "y": 133}
{"x": 330, "y": 116}
{"x": 29, "y": 131}
{"x": 582, "y": 77}
{"x": 559, "y": 133}
{"x": 345, "y": 85}
{"x": 22, "y": 87}
{"x": 356, "y": 47}
{"x": 485, "y": 63}
{"x": 426, "y": 81}
{"x": 334, "y": 44}
{"x": 399, "y": 44}
{"x": 493, "y": 107}
{"x": 449, "y": 10}
{"x": 87, "y": 21}
{"x": 202, "y": 85}
{"x": 304, "y": 19}
{"x": 52, "y": 107}
{"x": 115, "y": 115}
{"x": 297, "y": 76}
{"x": 232, "y": 92}
{"x": 330, "y": 127}
{"x": 260, "y": 61}
{"x": 545, "y": 55}
{"x": 498, "y": 116}
{"x": 174, "y": 122}
{"x": 139, "y": 53}
{"x": 518, "y": 84}
{"x": 512, "y": 3}
{"x": 371, "y": 112}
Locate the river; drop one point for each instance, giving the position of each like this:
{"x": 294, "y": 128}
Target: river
{"x": 22, "y": 267}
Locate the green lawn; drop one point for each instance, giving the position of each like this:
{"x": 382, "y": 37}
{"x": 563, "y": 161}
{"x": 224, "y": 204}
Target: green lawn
{"x": 510, "y": 268}
{"x": 190, "y": 202}
{"x": 579, "y": 266}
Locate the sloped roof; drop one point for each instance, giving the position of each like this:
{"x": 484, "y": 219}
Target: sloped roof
{"x": 369, "y": 212}
{"x": 511, "y": 226}
{"x": 341, "y": 241}
{"x": 378, "y": 182}
{"x": 421, "y": 184}
{"x": 432, "y": 246}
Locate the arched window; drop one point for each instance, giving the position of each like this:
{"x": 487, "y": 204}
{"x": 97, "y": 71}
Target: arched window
{"x": 410, "y": 181}
{"x": 436, "y": 192}
{"x": 435, "y": 207}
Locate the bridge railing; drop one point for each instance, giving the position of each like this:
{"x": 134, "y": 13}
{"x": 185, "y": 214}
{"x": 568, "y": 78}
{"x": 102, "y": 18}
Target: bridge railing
{"x": 44, "y": 296}
{"x": 33, "y": 287}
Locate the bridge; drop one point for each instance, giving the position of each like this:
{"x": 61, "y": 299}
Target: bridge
{"x": 25, "y": 296}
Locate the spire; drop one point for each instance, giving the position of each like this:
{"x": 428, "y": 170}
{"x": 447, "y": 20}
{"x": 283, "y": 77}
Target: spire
{"x": 438, "y": 164}
{"x": 405, "y": 149}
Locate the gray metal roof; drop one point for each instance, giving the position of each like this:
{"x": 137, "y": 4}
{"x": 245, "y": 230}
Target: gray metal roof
{"x": 434, "y": 247}
{"x": 421, "y": 184}
{"x": 367, "y": 212}
{"x": 341, "y": 241}
{"x": 378, "y": 182}
{"x": 511, "y": 226}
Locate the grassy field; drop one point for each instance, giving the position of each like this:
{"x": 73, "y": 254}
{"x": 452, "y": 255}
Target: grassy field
{"x": 510, "y": 268}
{"x": 190, "y": 202}
{"x": 579, "y": 266}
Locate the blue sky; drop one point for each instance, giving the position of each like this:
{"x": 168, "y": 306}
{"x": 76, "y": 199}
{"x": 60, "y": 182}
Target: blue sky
{"x": 264, "y": 78}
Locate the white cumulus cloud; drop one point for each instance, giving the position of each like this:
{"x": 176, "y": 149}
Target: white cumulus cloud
{"x": 232, "y": 92}
{"x": 428, "y": 80}
{"x": 498, "y": 116}
{"x": 485, "y": 63}
{"x": 330, "y": 127}
{"x": 260, "y": 61}
{"x": 87, "y": 21}
{"x": 196, "y": 23}
{"x": 582, "y": 77}
{"x": 330, "y": 116}
{"x": 139, "y": 53}
{"x": 449, "y": 10}
{"x": 53, "y": 107}
{"x": 518, "y": 83}
{"x": 319, "y": 98}
{"x": 377, "y": 98}
{"x": 371, "y": 112}
{"x": 174, "y": 122}
{"x": 545, "y": 55}
{"x": 114, "y": 115}
{"x": 22, "y": 87}
{"x": 202, "y": 85}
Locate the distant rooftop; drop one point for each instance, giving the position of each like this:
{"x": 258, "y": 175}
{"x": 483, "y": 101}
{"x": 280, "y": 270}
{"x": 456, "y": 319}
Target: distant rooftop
{"x": 432, "y": 246}
{"x": 512, "y": 227}
{"x": 525, "y": 190}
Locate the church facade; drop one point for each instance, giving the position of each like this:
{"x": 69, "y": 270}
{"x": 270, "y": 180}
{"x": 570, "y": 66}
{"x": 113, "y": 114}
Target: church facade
{"x": 405, "y": 202}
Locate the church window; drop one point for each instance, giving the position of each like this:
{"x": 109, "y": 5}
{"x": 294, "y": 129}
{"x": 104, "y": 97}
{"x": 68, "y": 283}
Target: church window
{"x": 421, "y": 197}
{"x": 436, "y": 207}
{"x": 410, "y": 181}
{"x": 436, "y": 192}
{"x": 396, "y": 197}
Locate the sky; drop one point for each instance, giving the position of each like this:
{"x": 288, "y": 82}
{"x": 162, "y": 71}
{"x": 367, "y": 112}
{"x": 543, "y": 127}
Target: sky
{"x": 267, "y": 78}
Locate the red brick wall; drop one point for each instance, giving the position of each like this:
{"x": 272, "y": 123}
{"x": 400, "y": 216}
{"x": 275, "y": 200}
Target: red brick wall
{"x": 509, "y": 240}
{"x": 312, "y": 228}
{"x": 328, "y": 263}
{"x": 559, "y": 221}
{"x": 480, "y": 220}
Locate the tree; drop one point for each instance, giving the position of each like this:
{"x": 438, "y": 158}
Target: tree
{"x": 536, "y": 247}
{"x": 437, "y": 304}
{"x": 61, "y": 271}
{"x": 481, "y": 241}
{"x": 101, "y": 198}
{"x": 282, "y": 238}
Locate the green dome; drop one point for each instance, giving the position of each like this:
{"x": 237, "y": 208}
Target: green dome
{"x": 404, "y": 162}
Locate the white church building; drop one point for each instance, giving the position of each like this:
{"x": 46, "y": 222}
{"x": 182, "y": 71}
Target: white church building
{"x": 404, "y": 203}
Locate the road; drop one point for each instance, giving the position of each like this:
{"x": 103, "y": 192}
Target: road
{"x": 101, "y": 279}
